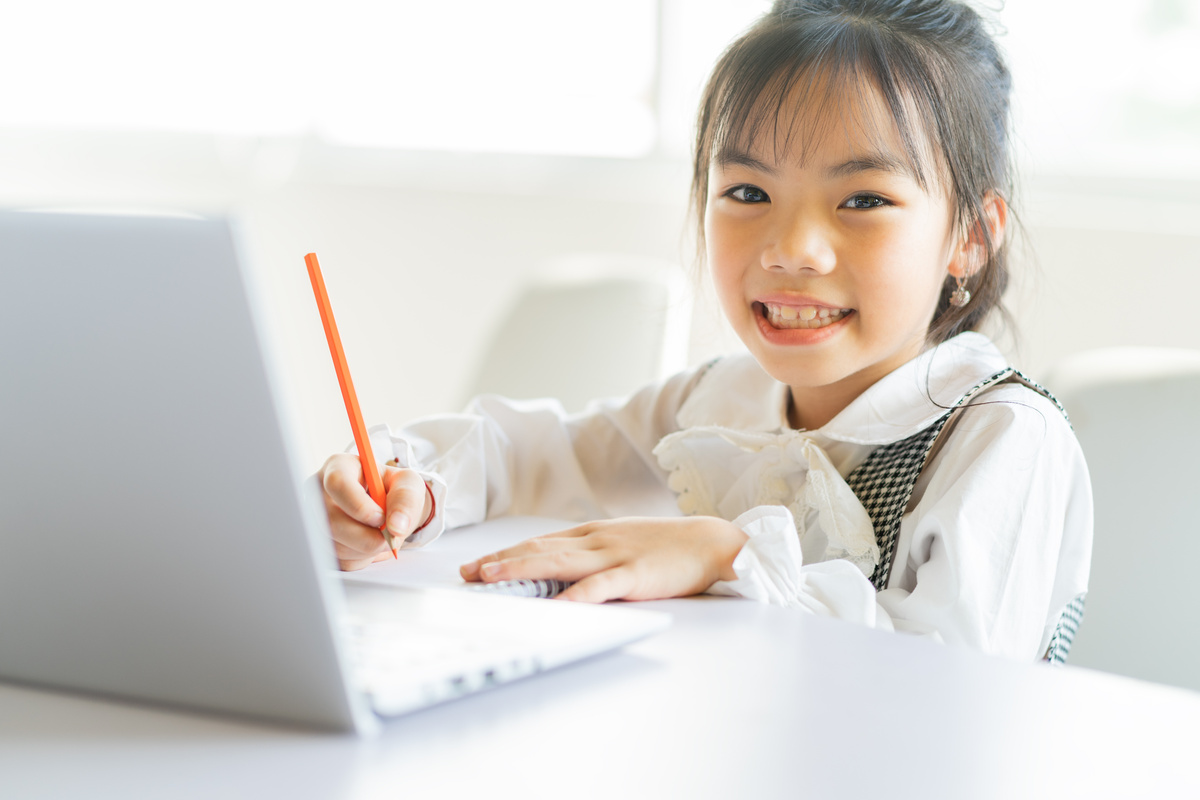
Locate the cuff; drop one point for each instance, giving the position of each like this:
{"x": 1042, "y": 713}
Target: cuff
{"x": 437, "y": 523}
{"x": 768, "y": 566}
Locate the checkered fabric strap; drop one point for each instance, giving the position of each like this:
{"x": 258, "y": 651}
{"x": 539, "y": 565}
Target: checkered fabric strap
{"x": 884, "y": 482}
{"x": 1064, "y": 632}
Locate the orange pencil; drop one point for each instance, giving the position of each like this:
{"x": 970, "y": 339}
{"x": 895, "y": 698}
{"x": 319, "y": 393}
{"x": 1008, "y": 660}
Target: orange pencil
{"x": 365, "y": 454}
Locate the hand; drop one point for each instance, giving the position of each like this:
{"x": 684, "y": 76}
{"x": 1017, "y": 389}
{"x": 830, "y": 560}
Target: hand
{"x": 355, "y": 519}
{"x": 634, "y": 558}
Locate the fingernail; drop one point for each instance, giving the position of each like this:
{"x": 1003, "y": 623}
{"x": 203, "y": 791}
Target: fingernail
{"x": 399, "y": 522}
{"x": 490, "y": 569}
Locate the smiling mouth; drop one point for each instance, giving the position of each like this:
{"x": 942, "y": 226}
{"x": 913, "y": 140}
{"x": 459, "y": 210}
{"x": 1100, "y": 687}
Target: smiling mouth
{"x": 800, "y": 317}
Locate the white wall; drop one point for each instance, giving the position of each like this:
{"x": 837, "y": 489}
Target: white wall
{"x": 422, "y": 251}
{"x": 420, "y": 272}
{"x": 1106, "y": 262}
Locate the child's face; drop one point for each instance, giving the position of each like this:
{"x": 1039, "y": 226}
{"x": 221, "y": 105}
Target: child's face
{"x": 828, "y": 268}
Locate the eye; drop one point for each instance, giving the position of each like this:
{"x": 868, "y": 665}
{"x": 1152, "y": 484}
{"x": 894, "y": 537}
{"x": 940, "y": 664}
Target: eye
{"x": 864, "y": 201}
{"x": 748, "y": 194}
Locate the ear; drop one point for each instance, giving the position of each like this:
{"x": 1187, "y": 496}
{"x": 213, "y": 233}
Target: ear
{"x": 971, "y": 251}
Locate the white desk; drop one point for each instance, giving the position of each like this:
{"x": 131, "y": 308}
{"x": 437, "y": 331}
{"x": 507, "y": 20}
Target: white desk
{"x": 736, "y": 700}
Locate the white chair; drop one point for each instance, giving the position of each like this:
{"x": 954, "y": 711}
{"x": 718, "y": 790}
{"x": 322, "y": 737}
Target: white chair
{"x": 1136, "y": 412}
{"x": 589, "y": 326}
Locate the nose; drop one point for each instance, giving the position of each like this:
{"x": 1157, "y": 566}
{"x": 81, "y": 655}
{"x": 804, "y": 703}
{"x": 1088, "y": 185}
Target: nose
{"x": 799, "y": 243}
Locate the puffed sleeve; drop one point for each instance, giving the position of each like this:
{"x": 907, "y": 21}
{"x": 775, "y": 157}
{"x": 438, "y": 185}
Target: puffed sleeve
{"x": 997, "y": 541}
{"x": 529, "y": 457}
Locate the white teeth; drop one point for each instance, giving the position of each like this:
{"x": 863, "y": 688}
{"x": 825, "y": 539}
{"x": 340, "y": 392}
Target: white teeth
{"x": 803, "y": 316}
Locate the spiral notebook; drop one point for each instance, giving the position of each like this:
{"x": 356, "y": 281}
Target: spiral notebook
{"x": 524, "y": 587}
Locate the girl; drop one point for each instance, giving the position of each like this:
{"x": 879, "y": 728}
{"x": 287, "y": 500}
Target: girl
{"x": 871, "y": 458}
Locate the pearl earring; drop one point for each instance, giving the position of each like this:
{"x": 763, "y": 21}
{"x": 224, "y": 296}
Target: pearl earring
{"x": 960, "y": 296}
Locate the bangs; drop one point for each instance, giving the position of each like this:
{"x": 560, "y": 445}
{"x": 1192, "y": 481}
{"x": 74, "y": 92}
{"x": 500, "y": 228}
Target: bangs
{"x": 779, "y": 93}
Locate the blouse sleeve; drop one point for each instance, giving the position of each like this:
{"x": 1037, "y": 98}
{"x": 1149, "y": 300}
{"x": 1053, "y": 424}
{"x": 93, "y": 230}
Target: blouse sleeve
{"x": 997, "y": 541}
{"x": 1000, "y": 538}
{"x": 531, "y": 458}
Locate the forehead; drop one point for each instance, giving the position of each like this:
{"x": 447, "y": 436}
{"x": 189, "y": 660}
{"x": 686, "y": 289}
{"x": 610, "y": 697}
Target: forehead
{"x": 821, "y": 115}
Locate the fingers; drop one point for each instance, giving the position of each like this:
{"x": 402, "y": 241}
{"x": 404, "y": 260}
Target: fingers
{"x": 407, "y": 501}
{"x": 354, "y": 543}
{"x": 563, "y": 559}
{"x": 342, "y": 480}
{"x": 539, "y": 546}
{"x": 597, "y": 577}
{"x": 612, "y": 584}
{"x": 354, "y": 518}
{"x": 354, "y": 563}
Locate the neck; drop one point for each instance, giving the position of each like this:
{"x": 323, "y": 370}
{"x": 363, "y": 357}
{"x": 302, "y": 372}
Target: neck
{"x": 809, "y": 409}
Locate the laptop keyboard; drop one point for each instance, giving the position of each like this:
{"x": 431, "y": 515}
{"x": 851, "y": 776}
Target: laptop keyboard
{"x": 402, "y": 666}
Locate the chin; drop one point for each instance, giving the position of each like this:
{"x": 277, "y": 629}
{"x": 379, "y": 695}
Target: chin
{"x": 797, "y": 371}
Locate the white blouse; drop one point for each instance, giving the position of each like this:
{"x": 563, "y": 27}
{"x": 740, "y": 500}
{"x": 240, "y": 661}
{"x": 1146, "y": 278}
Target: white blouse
{"x": 995, "y": 541}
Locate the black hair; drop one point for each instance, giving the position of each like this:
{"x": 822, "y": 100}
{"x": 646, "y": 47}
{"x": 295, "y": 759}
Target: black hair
{"x": 942, "y": 78}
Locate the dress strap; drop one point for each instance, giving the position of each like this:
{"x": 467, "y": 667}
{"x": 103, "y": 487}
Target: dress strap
{"x": 884, "y": 483}
{"x": 1064, "y": 631}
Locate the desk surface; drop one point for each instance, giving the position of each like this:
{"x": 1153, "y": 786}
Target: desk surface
{"x": 736, "y": 699}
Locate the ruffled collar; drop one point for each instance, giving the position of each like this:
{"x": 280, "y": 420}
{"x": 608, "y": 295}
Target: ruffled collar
{"x": 736, "y": 393}
{"x": 725, "y": 473}
{"x": 735, "y": 451}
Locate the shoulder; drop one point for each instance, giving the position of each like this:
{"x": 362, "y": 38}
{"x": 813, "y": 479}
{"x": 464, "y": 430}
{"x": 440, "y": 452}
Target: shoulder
{"x": 1009, "y": 430}
{"x": 738, "y": 366}
{"x": 913, "y": 397}
{"x": 735, "y": 392}
{"x": 1012, "y": 408}
{"x": 658, "y": 408}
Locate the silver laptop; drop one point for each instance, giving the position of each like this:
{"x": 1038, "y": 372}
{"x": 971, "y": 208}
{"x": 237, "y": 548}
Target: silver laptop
{"x": 157, "y": 540}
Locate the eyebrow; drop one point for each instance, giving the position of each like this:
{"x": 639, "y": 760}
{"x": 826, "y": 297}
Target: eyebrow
{"x": 870, "y": 162}
{"x": 738, "y": 158}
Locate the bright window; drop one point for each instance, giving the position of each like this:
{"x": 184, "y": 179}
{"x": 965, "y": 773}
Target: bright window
{"x": 518, "y": 76}
{"x": 1107, "y": 86}
{"x": 1110, "y": 85}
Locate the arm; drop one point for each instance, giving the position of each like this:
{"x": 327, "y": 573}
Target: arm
{"x": 509, "y": 457}
{"x": 1000, "y": 540}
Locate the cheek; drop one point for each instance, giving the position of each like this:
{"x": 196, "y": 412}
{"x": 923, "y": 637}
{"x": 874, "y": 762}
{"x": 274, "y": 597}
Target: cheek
{"x": 914, "y": 257}
{"x": 723, "y": 254}
{"x": 904, "y": 282}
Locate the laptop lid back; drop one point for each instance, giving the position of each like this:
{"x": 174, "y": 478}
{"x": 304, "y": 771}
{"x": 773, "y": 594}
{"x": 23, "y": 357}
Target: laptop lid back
{"x": 154, "y": 541}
